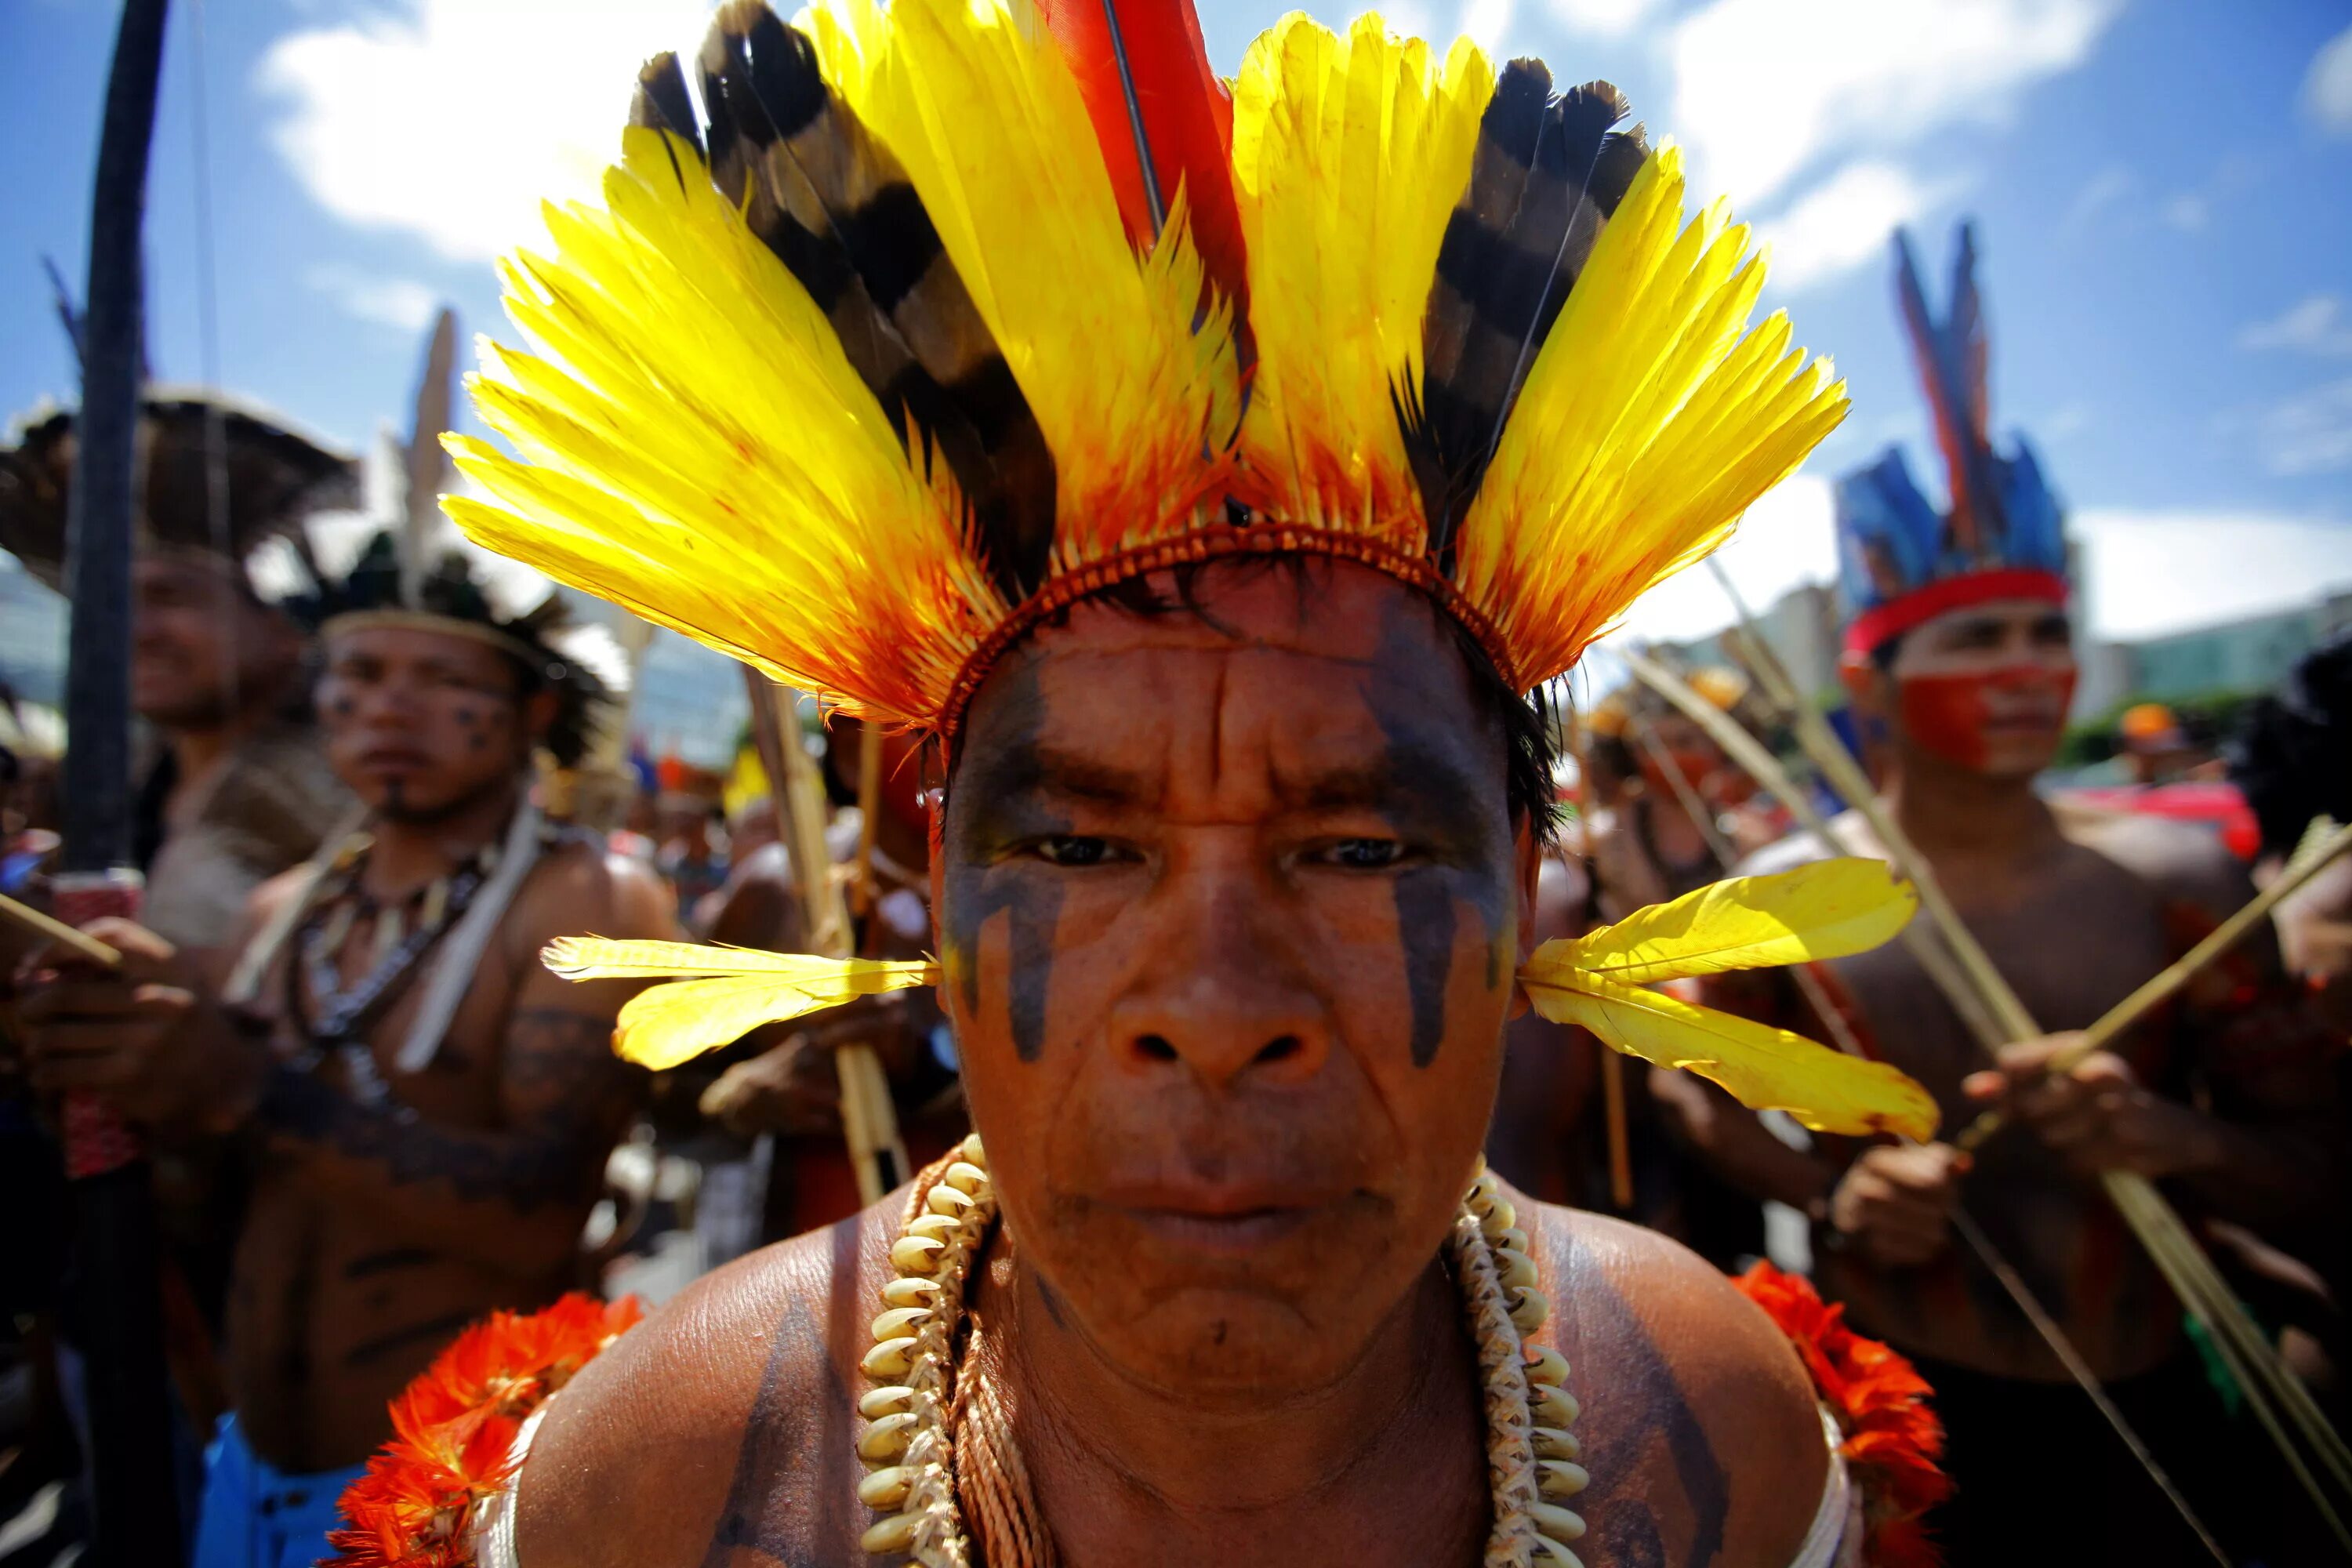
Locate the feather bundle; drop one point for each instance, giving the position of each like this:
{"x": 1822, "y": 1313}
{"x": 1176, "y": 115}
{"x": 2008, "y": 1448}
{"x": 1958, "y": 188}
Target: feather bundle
{"x": 1181, "y": 111}
{"x": 1349, "y": 152}
{"x": 1824, "y": 910}
{"x": 1653, "y": 417}
{"x": 716, "y": 995}
{"x": 1547, "y": 177}
{"x": 2001, "y": 524}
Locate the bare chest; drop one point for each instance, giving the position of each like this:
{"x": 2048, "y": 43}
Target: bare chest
{"x": 2072, "y": 941}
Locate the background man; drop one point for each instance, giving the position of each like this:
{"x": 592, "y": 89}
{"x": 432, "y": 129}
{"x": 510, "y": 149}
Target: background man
{"x": 427, "y": 1110}
{"x": 238, "y": 789}
{"x": 1961, "y": 655}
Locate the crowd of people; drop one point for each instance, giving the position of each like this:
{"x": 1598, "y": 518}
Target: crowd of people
{"x": 374, "y": 795}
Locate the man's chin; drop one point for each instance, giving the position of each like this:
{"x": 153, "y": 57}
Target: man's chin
{"x": 1210, "y": 1345}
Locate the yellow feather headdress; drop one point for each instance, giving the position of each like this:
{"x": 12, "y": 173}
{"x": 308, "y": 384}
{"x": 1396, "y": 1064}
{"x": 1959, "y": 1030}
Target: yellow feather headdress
{"x": 908, "y": 327}
{"x": 875, "y": 327}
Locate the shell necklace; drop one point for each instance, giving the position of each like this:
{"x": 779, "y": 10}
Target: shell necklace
{"x": 908, "y": 1448}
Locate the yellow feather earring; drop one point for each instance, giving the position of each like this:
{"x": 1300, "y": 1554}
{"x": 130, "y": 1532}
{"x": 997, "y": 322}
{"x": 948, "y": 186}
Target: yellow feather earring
{"x": 717, "y": 995}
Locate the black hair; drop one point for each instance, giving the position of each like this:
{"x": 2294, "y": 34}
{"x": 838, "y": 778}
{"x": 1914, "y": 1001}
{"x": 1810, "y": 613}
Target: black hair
{"x": 2293, "y": 752}
{"x": 1530, "y": 727}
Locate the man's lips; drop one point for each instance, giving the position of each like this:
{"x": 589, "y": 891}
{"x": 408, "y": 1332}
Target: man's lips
{"x": 392, "y": 760}
{"x": 1221, "y": 1219}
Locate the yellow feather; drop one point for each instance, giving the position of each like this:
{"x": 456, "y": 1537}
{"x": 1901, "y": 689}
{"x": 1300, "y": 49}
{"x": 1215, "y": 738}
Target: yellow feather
{"x": 667, "y": 1025}
{"x": 1763, "y": 1069}
{"x": 1349, "y": 154}
{"x": 608, "y": 958}
{"x": 978, "y": 103}
{"x": 1650, "y": 419}
{"x": 703, "y": 452}
{"x": 1827, "y": 909}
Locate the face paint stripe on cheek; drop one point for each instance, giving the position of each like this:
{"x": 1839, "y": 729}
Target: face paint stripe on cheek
{"x": 1425, "y": 914}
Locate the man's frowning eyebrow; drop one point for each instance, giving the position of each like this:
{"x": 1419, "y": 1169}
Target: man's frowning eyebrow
{"x": 1031, "y": 770}
{"x": 1409, "y": 776}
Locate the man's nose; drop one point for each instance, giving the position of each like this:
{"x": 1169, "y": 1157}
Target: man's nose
{"x": 1223, "y": 991}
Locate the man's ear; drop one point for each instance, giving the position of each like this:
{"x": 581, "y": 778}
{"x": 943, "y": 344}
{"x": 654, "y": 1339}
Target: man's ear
{"x": 1527, "y": 859}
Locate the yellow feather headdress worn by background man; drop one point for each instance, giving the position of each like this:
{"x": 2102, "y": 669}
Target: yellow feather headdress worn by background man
{"x": 929, "y": 320}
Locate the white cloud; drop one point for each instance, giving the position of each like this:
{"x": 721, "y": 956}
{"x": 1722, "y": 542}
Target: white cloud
{"x": 2310, "y": 433}
{"x": 454, "y": 121}
{"x": 1764, "y": 88}
{"x": 399, "y": 302}
{"x": 2188, "y": 211}
{"x": 2318, "y": 324}
{"x": 1601, "y": 18}
{"x": 1844, "y": 222}
{"x": 2156, "y": 571}
{"x": 1784, "y": 542}
{"x": 2327, "y": 86}
{"x": 1486, "y": 21}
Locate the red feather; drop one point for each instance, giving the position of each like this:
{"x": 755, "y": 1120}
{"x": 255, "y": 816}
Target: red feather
{"x": 1188, "y": 119}
{"x": 1893, "y": 1440}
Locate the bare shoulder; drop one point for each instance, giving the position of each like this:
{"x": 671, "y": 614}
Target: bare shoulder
{"x": 2179, "y": 860}
{"x": 721, "y": 1429}
{"x": 579, "y": 889}
{"x": 1699, "y": 1426}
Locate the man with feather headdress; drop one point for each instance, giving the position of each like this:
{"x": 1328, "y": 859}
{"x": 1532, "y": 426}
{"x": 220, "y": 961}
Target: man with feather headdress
{"x": 1959, "y": 654}
{"x": 905, "y": 360}
{"x": 225, "y": 600}
{"x": 427, "y": 1112}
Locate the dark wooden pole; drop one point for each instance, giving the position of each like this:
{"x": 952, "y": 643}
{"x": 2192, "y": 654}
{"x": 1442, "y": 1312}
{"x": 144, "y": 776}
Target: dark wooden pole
{"x": 118, "y": 1323}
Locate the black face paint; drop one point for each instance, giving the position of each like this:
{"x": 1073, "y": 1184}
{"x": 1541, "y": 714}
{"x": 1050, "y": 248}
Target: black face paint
{"x": 977, "y": 885}
{"x": 1424, "y": 912}
{"x": 343, "y": 707}
{"x": 1461, "y": 868}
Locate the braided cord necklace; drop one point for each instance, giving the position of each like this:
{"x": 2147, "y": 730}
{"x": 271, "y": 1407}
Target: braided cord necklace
{"x": 909, "y": 1444}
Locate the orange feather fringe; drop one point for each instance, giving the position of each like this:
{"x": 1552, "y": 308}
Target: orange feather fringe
{"x": 1893, "y": 1440}
{"x": 454, "y": 1430}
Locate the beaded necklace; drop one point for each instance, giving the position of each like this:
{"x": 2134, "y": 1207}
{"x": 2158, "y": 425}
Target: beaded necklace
{"x": 339, "y": 1014}
{"x": 907, "y": 1444}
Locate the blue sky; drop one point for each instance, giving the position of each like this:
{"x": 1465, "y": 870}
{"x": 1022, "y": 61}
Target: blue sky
{"x": 2163, "y": 193}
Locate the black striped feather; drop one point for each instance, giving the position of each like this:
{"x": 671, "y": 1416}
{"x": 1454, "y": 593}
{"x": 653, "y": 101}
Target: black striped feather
{"x": 1546, "y": 177}
{"x": 836, "y": 207}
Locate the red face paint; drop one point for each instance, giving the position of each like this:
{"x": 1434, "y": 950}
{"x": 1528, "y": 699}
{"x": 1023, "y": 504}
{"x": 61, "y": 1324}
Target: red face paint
{"x": 2001, "y": 721}
{"x": 1693, "y": 765}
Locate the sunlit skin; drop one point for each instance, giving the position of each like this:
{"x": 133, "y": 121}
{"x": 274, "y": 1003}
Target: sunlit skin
{"x": 1229, "y": 906}
{"x": 1230, "y": 972}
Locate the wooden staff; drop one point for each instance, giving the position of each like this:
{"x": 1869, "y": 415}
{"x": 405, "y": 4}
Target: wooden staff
{"x": 869, "y": 1119}
{"x": 57, "y": 931}
{"x": 1615, "y": 1124}
{"x": 2150, "y": 1216}
{"x": 2137, "y": 1006}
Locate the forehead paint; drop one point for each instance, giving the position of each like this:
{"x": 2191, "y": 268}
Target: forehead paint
{"x": 1947, "y": 716}
{"x": 1025, "y": 891}
{"x": 1425, "y": 894}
